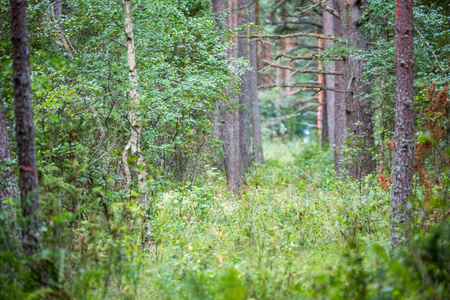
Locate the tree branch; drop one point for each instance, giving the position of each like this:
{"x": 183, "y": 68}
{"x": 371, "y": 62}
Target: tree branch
{"x": 292, "y": 35}
{"x": 296, "y": 70}
{"x": 306, "y": 86}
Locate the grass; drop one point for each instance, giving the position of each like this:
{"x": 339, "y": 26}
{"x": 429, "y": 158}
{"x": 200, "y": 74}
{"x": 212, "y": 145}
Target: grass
{"x": 296, "y": 232}
{"x": 287, "y": 231}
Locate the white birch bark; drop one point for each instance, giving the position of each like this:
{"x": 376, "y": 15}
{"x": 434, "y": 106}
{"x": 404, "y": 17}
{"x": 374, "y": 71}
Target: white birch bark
{"x": 136, "y": 128}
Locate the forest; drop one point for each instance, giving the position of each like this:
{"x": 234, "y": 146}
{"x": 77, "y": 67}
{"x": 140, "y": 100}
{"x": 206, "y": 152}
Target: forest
{"x": 224, "y": 149}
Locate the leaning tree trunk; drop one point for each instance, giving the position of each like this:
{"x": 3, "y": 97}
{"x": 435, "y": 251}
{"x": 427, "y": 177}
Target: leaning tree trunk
{"x": 138, "y": 175}
{"x": 402, "y": 170}
{"x": 256, "y": 117}
{"x": 358, "y": 112}
{"x": 244, "y": 95}
{"x": 226, "y": 14}
{"x": 26, "y": 149}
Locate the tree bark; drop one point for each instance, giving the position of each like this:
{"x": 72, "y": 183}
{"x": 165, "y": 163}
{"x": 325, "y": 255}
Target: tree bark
{"x": 340, "y": 128}
{"x": 244, "y": 95}
{"x": 328, "y": 21}
{"x": 402, "y": 170}
{"x": 26, "y": 149}
{"x": 230, "y": 129}
{"x": 56, "y": 14}
{"x": 258, "y": 155}
{"x": 140, "y": 175}
{"x": 358, "y": 112}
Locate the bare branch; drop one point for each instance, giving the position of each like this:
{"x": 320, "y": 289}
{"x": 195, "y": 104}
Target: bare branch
{"x": 296, "y": 70}
{"x": 291, "y": 35}
{"x": 300, "y": 85}
{"x": 331, "y": 11}
{"x": 302, "y": 10}
{"x": 277, "y": 120}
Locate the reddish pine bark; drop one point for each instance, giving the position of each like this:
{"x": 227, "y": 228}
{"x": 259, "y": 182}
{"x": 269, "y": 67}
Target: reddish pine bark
{"x": 26, "y": 150}
{"x": 402, "y": 170}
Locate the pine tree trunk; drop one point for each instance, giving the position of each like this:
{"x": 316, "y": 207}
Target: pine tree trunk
{"x": 328, "y": 21}
{"x": 244, "y": 96}
{"x": 358, "y": 113}
{"x": 340, "y": 129}
{"x": 229, "y": 118}
{"x": 139, "y": 170}
{"x": 256, "y": 117}
{"x": 402, "y": 170}
{"x": 26, "y": 149}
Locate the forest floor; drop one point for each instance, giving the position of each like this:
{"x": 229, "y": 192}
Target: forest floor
{"x": 293, "y": 228}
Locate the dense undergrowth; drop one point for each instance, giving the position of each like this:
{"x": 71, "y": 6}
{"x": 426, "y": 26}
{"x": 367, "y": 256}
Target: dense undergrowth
{"x": 296, "y": 233}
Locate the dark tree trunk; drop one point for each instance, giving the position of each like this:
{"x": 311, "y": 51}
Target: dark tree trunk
{"x": 256, "y": 117}
{"x": 8, "y": 187}
{"x": 26, "y": 150}
{"x": 402, "y": 170}
{"x": 358, "y": 112}
{"x": 229, "y": 119}
{"x": 244, "y": 96}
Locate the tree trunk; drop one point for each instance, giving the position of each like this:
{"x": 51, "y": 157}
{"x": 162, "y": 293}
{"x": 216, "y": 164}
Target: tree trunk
{"x": 230, "y": 129}
{"x": 140, "y": 173}
{"x": 256, "y": 117}
{"x": 26, "y": 149}
{"x": 402, "y": 170}
{"x": 56, "y": 14}
{"x": 322, "y": 127}
{"x": 358, "y": 112}
{"x": 8, "y": 189}
{"x": 340, "y": 121}
{"x": 244, "y": 96}
{"x": 328, "y": 21}
{"x": 325, "y": 132}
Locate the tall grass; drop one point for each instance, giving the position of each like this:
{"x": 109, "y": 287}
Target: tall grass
{"x": 296, "y": 233}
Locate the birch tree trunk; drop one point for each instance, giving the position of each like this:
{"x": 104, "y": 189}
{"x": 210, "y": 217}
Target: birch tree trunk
{"x": 139, "y": 173}
{"x": 244, "y": 96}
{"x": 258, "y": 155}
{"x": 403, "y": 163}
{"x": 26, "y": 149}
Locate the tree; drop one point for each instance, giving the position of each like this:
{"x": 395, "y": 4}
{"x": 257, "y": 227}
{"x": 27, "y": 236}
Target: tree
{"x": 328, "y": 22}
{"x": 26, "y": 149}
{"x": 258, "y": 155}
{"x": 357, "y": 110}
{"x": 140, "y": 173}
{"x": 229, "y": 119}
{"x": 402, "y": 171}
{"x": 244, "y": 95}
